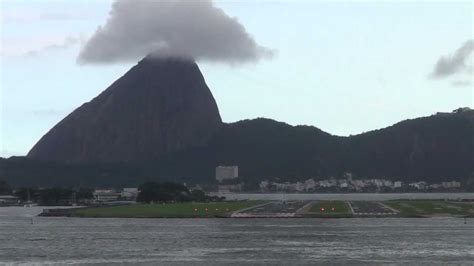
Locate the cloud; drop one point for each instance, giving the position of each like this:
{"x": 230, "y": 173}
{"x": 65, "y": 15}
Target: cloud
{"x": 186, "y": 29}
{"x": 66, "y": 43}
{"x": 454, "y": 63}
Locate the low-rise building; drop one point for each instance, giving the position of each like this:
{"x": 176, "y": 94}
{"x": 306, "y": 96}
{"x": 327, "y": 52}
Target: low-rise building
{"x": 388, "y": 183}
{"x": 435, "y": 186}
{"x": 418, "y": 185}
{"x": 310, "y": 185}
{"x": 104, "y": 195}
{"x": 129, "y": 193}
{"x": 367, "y": 185}
{"x": 264, "y": 186}
{"x": 299, "y": 187}
{"x": 358, "y": 184}
{"x": 343, "y": 184}
{"x": 377, "y": 182}
{"x": 325, "y": 183}
{"x": 8, "y": 200}
{"x": 397, "y": 184}
{"x": 451, "y": 184}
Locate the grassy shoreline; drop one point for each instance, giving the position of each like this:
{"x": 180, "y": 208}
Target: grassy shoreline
{"x": 316, "y": 209}
{"x": 432, "y": 208}
{"x": 168, "y": 210}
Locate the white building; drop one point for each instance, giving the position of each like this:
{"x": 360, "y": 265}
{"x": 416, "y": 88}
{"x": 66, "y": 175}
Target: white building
{"x": 328, "y": 183}
{"x": 377, "y": 182}
{"x": 287, "y": 186}
{"x": 388, "y": 183}
{"x": 418, "y": 185}
{"x": 348, "y": 176}
{"x": 264, "y": 186}
{"x": 435, "y": 186}
{"x": 397, "y": 184}
{"x": 310, "y": 184}
{"x": 451, "y": 184}
{"x": 106, "y": 195}
{"x": 8, "y": 199}
{"x": 358, "y": 184}
{"x": 129, "y": 193}
{"x": 299, "y": 187}
{"x": 226, "y": 172}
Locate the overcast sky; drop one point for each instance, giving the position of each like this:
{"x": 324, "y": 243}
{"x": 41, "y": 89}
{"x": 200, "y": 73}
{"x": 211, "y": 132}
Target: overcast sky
{"x": 344, "y": 67}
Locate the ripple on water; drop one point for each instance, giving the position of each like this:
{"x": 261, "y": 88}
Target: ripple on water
{"x": 239, "y": 241}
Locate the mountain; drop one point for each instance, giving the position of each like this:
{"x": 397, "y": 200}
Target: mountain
{"x": 267, "y": 148}
{"x": 439, "y": 147}
{"x": 434, "y": 149}
{"x": 160, "y": 122}
{"x": 158, "y": 107}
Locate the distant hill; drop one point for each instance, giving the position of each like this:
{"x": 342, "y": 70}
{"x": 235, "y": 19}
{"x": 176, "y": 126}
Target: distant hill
{"x": 435, "y": 148}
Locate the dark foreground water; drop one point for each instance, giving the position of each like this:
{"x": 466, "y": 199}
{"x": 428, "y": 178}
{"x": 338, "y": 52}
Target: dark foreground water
{"x": 232, "y": 241}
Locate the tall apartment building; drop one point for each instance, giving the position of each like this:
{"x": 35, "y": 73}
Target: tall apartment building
{"x": 226, "y": 172}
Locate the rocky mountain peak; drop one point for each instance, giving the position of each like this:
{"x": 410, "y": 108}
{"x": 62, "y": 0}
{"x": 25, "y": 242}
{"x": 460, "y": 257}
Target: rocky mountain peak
{"x": 159, "y": 106}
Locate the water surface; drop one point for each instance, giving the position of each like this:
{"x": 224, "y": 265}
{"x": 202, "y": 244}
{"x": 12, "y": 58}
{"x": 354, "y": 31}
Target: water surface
{"x": 51, "y": 240}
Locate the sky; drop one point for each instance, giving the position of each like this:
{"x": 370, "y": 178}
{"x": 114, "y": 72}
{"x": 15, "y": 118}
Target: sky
{"x": 344, "y": 67}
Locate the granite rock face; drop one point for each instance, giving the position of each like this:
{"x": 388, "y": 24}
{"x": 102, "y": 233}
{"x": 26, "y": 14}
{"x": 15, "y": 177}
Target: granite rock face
{"x": 159, "y": 106}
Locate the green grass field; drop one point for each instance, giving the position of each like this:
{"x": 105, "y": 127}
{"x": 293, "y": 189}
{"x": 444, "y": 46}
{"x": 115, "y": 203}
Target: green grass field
{"x": 329, "y": 209}
{"x": 170, "y": 210}
{"x": 413, "y": 208}
{"x": 407, "y": 208}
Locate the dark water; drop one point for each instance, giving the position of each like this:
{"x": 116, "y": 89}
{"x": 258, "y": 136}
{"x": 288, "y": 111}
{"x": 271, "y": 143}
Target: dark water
{"x": 232, "y": 241}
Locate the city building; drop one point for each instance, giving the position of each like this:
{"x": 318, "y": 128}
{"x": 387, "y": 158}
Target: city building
{"x": 418, "y": 185}
{"x": 377, "y": 182}
{"x": 451, "y": 184}
{"x": 310, "y": 185}
{"x": 299, "y": 187}
{"x": 264, "y": 186}
{"x": 435, "y": 186}
{"x": 129, "y": 193}
{"x": 388, "y": 183}
{"x": 358, "y": 184}
{"x": 343, "y": 184}
{"x": 327, "y": 183}
{"x": 397, "y": 184}
{"x": 104, "y": 195}
{"x": 226, "y": 172}
{"x": 8, "y": 200}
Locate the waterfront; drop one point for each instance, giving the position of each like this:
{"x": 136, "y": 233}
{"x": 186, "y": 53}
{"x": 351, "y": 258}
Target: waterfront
{"x": 51, "y": 240}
